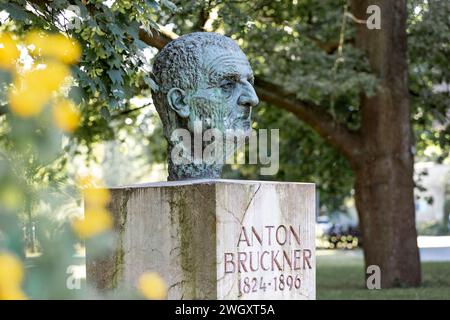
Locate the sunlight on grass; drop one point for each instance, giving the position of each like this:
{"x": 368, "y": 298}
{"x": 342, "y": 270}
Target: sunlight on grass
{"x": 340, "y": 275}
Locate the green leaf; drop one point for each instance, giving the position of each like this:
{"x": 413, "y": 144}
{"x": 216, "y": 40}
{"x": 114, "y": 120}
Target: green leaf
{"x": 76, "y": 95}
{"x": 169, "y": 5}
{"x": 116, "y": 76}
{"x": 152, "y": 84}
{"x": 16, "y": 12}
{"x": 153, "y": 4}
{"x": 115, "y": 30}
{"x": 140, "y": 44}
{"x": 104, "y": 111}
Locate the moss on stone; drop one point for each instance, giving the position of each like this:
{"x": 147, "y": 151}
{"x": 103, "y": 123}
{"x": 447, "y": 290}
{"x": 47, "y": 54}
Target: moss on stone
{"x": 120, "y": 253}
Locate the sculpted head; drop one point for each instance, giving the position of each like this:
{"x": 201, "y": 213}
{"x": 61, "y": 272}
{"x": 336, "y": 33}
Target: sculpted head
{"x": 203, "y": 78}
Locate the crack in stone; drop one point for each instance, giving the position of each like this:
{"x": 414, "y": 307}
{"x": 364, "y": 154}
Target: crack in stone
{"x": 223, "y": 277}
{"x": 245, "y": 211}
{"x": 240, "y": 222}
{"x": 249, "y": 203}
{"x": 229, "y": 291}
{"x": 176, "y": 284}
{"x": 173, "y": 249}
{"x": 230, "y": 212}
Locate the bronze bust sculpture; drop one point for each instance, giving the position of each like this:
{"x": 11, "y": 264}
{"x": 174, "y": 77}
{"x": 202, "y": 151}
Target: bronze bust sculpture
{"x": 204, "y": 82}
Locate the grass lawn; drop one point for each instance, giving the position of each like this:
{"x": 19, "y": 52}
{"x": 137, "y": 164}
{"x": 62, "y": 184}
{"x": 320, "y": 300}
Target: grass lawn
{"x": 340, "y": 275}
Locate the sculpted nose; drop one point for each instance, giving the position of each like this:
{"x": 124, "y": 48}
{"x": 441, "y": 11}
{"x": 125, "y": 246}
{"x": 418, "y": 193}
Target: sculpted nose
{"x": 248, "y": 97}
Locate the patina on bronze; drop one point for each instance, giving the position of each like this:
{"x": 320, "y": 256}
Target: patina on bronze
{"x": 202, "y": 78}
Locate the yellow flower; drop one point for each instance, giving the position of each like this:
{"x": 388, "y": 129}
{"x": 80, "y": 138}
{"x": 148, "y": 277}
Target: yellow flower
{"x": 11, "y": 197}
{"x": 49, "y": 78}
{"x": 89, "y": 181}
{"x": 67, "y": 51}
{"x": 56, "y": 46}
{"x": 11, "y": 270}
{"x": 96, "y": 197}
{"x": 27, "y": 103}
{"x": 65, "y": 116}
{"x": 94, "y": 193}
{"x": 11, "y": 276}
{"x": 33, "y": 89}
{"x": 95, "y": 222}
{"x": 38, "y": 40}
{"x": 52, "y": 77}
{"x": 13, "y": 293}
{"x": 8, "y": 51}
{"x": 152, "y": 286}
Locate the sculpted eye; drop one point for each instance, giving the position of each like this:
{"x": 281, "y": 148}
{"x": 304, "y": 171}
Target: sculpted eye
{"x": 227, "y": 85}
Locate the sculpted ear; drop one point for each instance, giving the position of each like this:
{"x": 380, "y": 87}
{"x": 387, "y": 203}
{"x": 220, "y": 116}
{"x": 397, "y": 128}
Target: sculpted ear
{"x": 175, "y": 96}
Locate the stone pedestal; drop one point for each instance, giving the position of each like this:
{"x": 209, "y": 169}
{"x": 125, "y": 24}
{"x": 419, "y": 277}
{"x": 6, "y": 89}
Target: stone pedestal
{"x": 213, "y": 239}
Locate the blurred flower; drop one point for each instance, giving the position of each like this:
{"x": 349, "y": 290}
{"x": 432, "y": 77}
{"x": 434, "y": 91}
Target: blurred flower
{"x": 94, "y": 192}
{"x": 11, "y": 276}
{"x": 33, "y": 89}
{"x": 56, "y": 46}
{"x": 11, "y": 270}
{"x": 152, "y": 286}
{"x": 96, "y": 197}
{"x": 27, "y": 103}
{"x": 52, "y": 77}
{"x": 97, "y": 218}
{"x": 95, "y": 222}
{"x": 12, "y": 294}
{"x": 8, "y": 51}
{"x": 65, "y": 116}
{"x": 11, "y": 196}
{"x": 89, "y": 181}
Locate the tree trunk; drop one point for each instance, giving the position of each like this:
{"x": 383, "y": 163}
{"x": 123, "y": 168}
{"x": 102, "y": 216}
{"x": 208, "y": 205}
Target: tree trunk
{"x": 386, "y": 210}
{"x": 384, "y": 169}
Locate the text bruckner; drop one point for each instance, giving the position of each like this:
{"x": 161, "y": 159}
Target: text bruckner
{"x": 256, "y": 253}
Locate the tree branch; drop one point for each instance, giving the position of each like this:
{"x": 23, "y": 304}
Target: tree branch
{"x": 203, "y": 16}
{"x": 157, "y": 39}
{"x": 128, "y": 111}
{"x": 338, "y": 135}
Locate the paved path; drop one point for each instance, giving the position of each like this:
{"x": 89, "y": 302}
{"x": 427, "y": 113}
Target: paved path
{"x": 431, "y": 249}
{"x": 434, "y": 248}
{"x": 435, "y": 254}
